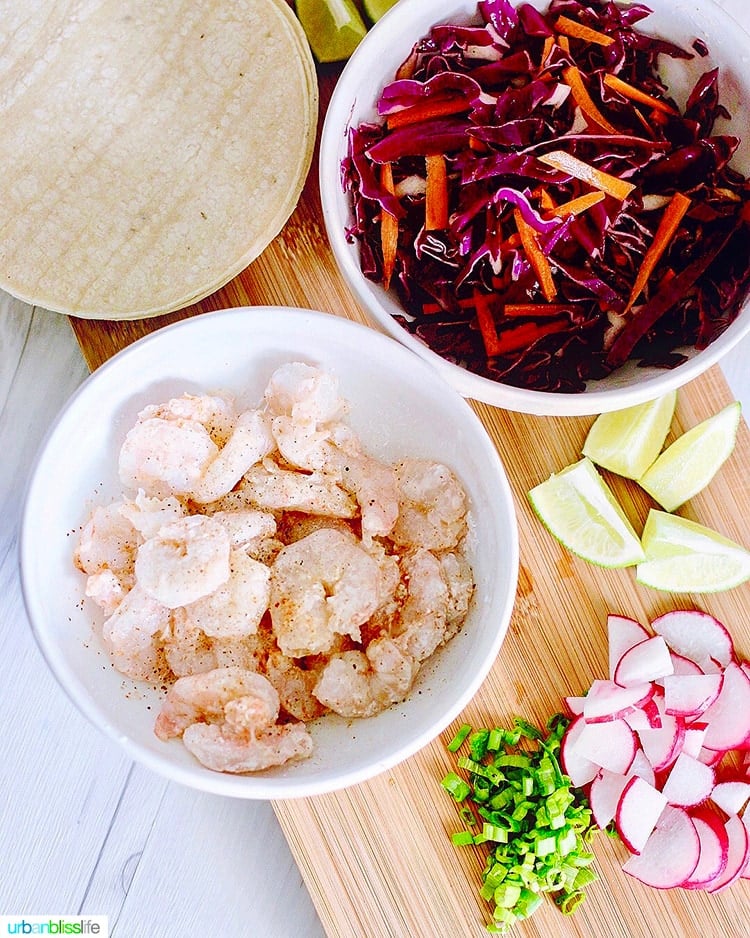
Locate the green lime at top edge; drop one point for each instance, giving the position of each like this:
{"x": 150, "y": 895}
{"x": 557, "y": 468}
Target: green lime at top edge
{"x": 334, "y": 28}
{"x": 374, "y": 9}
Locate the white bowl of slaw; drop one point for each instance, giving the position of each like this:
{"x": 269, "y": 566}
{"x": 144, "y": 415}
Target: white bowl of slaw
{"x": 374, "y": 64}
{"x": 399, "y": 406}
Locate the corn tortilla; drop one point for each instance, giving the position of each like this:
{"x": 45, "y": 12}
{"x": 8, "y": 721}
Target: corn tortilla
{"x": 149, "y": 151}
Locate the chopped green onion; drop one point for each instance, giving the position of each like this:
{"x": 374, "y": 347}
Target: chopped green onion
{"x": 535, "y": 824}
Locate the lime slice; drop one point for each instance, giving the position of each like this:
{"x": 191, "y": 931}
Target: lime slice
{"x": 374, "y": 9}
{"x": 689, "y": 464}
{"x": 334, "y": 28}
{"x": 578, "y": 508}
{"x": 683, "y": 556}
{"x": 628, "y": 441}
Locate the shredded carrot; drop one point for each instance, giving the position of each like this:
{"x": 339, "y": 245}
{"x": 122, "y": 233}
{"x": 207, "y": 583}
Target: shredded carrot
{"x": 431, "y": 308}
{"x": 535, "y": 310}
{"x": 578, "y": 205}
{"x": 425, "y": 110}
{"x": 436, "y": 194}
{"x": 525, "y": 334}
{"x": 670, "y": 222}
{"x": 549, "y": 43}
{"x": 576, "y": 30}
{"x": 546, "y": 201}
{"x": 572, "y": 77}
{"x": 562, "y": 41}
{"x": 388, "y": 228}
{"x": 567, "y": 163}
{"x": 536, "y": 257}
{"x": 486, "y": 323}
{"x": 635, "y": 94}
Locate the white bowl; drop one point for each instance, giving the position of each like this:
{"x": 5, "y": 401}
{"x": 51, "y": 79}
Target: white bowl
{"x": 374, "y": 64}
{"x": 400, "y": 406}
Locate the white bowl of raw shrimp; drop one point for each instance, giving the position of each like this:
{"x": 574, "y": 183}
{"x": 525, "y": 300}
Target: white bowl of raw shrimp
{"x": 399, "y": 411}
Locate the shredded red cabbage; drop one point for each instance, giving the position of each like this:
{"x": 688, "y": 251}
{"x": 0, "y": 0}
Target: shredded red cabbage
{"x": 491, "y": 97}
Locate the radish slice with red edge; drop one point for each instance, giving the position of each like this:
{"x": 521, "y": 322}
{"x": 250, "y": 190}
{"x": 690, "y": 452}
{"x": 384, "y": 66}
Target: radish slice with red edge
{"x": 682, "y": 665}
{"x": 697, "y": 636}
{"x": 737, "y": 858}
{"x": 639, "y": 808}
{"x": 692, "y": 740}
{"x": 728, "y": 717}
{"x": 609, "y": 701}
{"x": 714, "y": 849}
{"x": 649, "y": 660}
{"x": 579, "y": 770}
{"x": 647, "y": 716}
{"x": 689, "y": 782}
{"x": 670, "y": 854}
{"x": 690, "y": 694}
{"x": 731, "y": 796}
{"x": 662, "y": 745}
{"x": 610, "y": 745}
{"x": 622, "y": 634}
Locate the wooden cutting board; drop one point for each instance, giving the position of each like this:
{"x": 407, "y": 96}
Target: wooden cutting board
{"x": 377, "y": 858}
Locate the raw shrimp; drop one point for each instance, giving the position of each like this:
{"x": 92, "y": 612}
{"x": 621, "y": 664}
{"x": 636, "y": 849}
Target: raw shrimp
{"x": 129, "y": 635}
{"x": 295, "y": 686}
{"x": 361, "y": 684}
{"x": 423, "y": 616}
{"x": 187, "y": 649}
{"x": 107, "y": 590}
{"x": 275, "y": 489}
{"x": 250, "y": 441}
{"x": 459, "y": 578}
{"x": 304, "y": 392}
{"x": 373, "y": 484}
{"x": 148, "y": 514}
{"x": 215, "y": 411}
{"x": 234, "y": 609}
{"x": 108, "y": 541}
{"x": 187, "y": 560}
{"x": 432, "y": 509}
{"x": 227, "y": 719}
{"x": 248, "y": 528}
{"x": 322, "y": 585}
{"x": 165, "y": 457}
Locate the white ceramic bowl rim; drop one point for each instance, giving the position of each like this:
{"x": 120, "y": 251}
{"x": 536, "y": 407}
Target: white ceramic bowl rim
{"x": 353, "y": 100}
{"x": 55, "y": 505}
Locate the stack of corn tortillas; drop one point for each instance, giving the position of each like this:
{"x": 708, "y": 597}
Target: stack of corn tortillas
{"x": 148, "y": 151}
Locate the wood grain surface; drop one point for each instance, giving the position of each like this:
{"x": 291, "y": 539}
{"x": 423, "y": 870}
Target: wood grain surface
{"x": 377, "y": 858}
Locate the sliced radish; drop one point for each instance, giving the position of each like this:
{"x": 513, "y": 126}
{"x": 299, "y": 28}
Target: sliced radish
{"x": 579, "y": 769}
{"x": 731, "y": 796}
{"x": 689, "y": 782}
{"x": 575, "y": 705}
{"x": 698, "y": 636}
{"x": 710, "y": 756}
{"x": 737, "y": 857}
{"x": 671, "y": 853}
{"x": 662, "y": 745}
{"x": 604, "y": 796}
{"x": 622, "y": 633}
{"x": 692, "y": 740}
{"x": 646, "y": 661}
{"x": 690, "y": 694}
{"x": 611, "y": 745}
{"x": 639, "y": 808}
{"x": 609, "y": 701}
{"x": 728, "y": 717}
{"x": 684, "y": 665}
{"x": 714, "y": 849}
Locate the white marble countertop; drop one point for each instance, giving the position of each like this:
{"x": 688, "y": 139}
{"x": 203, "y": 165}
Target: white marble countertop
{"x": 84, "y": 831}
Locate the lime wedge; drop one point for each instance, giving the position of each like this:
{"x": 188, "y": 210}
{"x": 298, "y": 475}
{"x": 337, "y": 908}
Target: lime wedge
{"x": 334, "y": 28}
{"x": 374, "y": 9}
{"x": 628, "y": 441}
{"x": 683, "y": 556}
{"x": 689, "y": 464}
{"x": 578, "y": 508}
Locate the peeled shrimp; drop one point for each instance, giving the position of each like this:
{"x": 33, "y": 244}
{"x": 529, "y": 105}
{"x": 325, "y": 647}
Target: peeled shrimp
{"x": 249, "y": 442}
{"x": 273, "y": 488}
{"x": 322, "y": 585}
{"x": 129, "y": 635}
{"x": 215, "y": 411}
{"x": 187, "y": 649}
{"x": 187, "y": 560}
{"x": 108, "y": 542}
{"x": 227, "y": 719}
{"x": 148, "y": 514}
{"x": 248, "y": 528}
{"x": 373, "y": 484}
{"x": 295, "y": 686}
{"x": 164, "y": 456}
{"x": 361, "y": 684}
{"x": 107, "y": 590}
{"x": 432, "y": 509}
{"x": 234, "y": 609}
{"x": 423, "y": 616}
{"x": 304, "y": 392}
